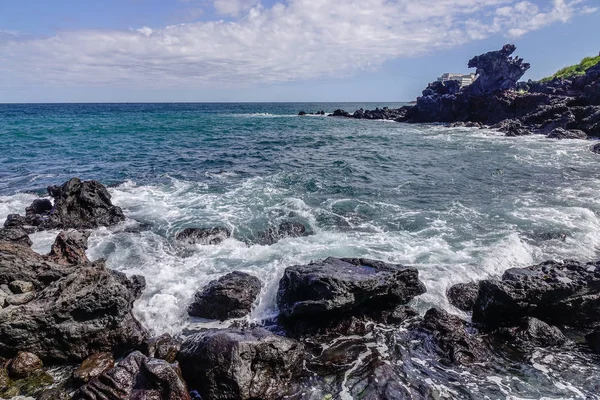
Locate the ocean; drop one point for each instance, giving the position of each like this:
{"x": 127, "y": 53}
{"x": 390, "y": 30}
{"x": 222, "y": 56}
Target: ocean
{"x": 459, "y": 204}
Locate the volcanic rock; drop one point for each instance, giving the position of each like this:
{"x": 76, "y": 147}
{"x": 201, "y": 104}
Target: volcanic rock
{"x": 93, "y": 366}
{"x": 231, "y": 296}
{"x": 24, "y": 364}
{"x": 282, "y": 231}
{"x": 560, "y": 133}
{"x": 463, "y": 295}
{"x": 497, "y": 70}
{"x": 534, "y": 333}
{"x": 164, "y": 347}
{"x": 240, "y": 364}
{"x": 16, "y": 235}
{"x": 203, "y": 236}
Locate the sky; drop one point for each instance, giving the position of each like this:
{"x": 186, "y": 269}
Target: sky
{"x": 267, "y": 50}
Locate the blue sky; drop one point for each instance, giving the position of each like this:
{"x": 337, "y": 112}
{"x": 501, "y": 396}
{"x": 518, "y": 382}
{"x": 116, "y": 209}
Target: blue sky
{"x": 252, "y": 50}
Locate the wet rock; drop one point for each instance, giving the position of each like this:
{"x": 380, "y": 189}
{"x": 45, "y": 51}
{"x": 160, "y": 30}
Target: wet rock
{"x": 302, "y": 113}
{"x": 596, "y": 148}
{"x": 77, "y": 310}
{"x": 341, "y": 113}
{"x": 512, "y": 127}
{"x": 240, "y": 364}
{"x": 16, "y": 221}
{"x": 16, "y": 235}
{"x": 204, "y": 236}
{"x": 284, "y": 230}
{"x": 559, "y": 293}
{"x": 231, "y": 296}
{"x": 456, "y": 340}
{"x": 164, "y": 347}
{"x": 339, "y": 285}
{"x": 77, "y": 205}
{"x": 463, "y": 295}
{"x": 69, "y": 247}
{"x": 93, "y": 366}
{"x": 20, "y": 287}
{"x": 593, "y": 340}
{"x": 560, "y": 133}
{"x": 137, "y": 377}
{"x": 535, "y": 333}
{"x": 19, "y": 299}
{"x": 497, "y": 70}
{"x": 24, "y": 364}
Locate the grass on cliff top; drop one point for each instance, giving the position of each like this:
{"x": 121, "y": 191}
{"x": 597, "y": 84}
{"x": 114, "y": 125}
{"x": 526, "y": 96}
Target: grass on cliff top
{"x": 574, "y": 70}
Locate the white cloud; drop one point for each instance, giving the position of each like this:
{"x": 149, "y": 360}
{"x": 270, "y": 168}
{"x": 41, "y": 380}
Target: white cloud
{"x": 234, "y": 7}
{"x": 296, "y": 40}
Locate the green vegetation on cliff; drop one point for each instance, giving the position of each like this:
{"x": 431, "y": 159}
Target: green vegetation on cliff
{"x": 574, "y": 70}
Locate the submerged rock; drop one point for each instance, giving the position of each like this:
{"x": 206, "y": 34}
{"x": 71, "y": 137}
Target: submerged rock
{"x": 77, "y": 309}
{"x": 284, "y": 230}
{"x": 241, "y": 364}
{"x": 339, "y": 285}
{"x": 204, "y": 236}
{"x": 596, "y": 148}
{"x": 77, "y": 205}
{"x": 137, "y": 377}
{"x": 231, "y": 296}
{"x": 463, "y": 295}
{"x": 559, "y": 293}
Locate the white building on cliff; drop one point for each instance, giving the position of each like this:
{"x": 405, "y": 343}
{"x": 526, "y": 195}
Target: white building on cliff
{"x": 465, "y": 80}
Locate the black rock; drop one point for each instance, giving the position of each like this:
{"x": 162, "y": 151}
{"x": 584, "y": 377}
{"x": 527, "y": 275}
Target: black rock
{"x": 204, "y": 236}
{"x": 593, "y": 339}
{"x": 456, "y": 340}
{"x": 137, "y": 377}
{"x": 282, "y": 231}
{"x": 77, "y": 309}
{"x": 231, "y": 296}
{"x": 302, "y": 113}
{"x": 339, "y": 285}
{"x": 463, "y": 295}
{"x": 596, "y": 148}
{"x": 164, "y": 347}
{"x": 497, "y": 70}
{"x": 341, "y": 113}
{"x": 534, "y": 333}
{"x": 512, "y": 127}
{"x": 16, "y": 235}
{"x": 39, "y": 207}
{"x": 241, "y": 364}
{"x": 559, "y": 293}
{"x": 560, "y": 133}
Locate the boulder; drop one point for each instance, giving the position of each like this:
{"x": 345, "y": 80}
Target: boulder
{"x": 24, "y": 364}
{"x": 559, "y": 293}
{"x": 231, "y": 296}
{"x": 69, "y": 247}
{"x": 463, "y": 295}
{"x": 456, "y": 340}
{"x": 341, "y": 285}
{"x": 560, "y": 133}
{"x": 164, "y": 347}
{"x": 16, "y": 235}
{"x": 77, "y": 205}
{"x": 512, "y": 127}
{"x": 341, "y": 113}
{"x": 204, "y": 236}
{"x": 534, "y": 333}
{"x": 94, "y": 366}
{"x": 20, "y": 287}
{"x": 284, "y": 230}
{"x": 593, "y": 339}
{"x": 19, "y": 299}
{"x": 497, "y": 70}
{"x": 77, "y": 309}
{"x": 596, "y": 148}
{"x": 240, "y": 364}
{"x": 137, "y": 377}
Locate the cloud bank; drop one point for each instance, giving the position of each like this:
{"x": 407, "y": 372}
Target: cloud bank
{"x": 290, "y": 41}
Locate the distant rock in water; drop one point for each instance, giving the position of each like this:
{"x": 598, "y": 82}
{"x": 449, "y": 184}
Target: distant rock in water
{"x": 283, "y": 230}
{"x": 596, "y": 148}
{"x": 204, "y": 236}
{"x": 560, "y": 133}
{"x": 231, "y": 296}
{"x": 77, "y": 205}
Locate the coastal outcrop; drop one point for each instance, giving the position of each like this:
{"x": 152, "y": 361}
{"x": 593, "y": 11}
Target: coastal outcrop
{"x": 231, "y": 296}
{"x": 71, "y": 307}
{"x": 77, "y": 205}
{"x": 241, "y": 364}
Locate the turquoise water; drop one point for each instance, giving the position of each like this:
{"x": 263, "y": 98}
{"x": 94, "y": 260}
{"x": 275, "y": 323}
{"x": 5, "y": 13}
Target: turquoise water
{"x": 459, "y": 204}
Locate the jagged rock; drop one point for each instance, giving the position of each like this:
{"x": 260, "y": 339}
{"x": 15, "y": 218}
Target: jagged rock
{"x": 282, "y": 231}
{"x": 77, "y": 310}
{"x": 340, "y": 285}
{"x": 137, "y": 377}
{"x": 93, "y": 366}
{"x": 497, "y": 70}
{"x": 164, "y": 347}
{"x": 463, "y": 295}
{"x": 69, "y": 247}
{"x": 24, "y": 364}
{"x": 559, "y": 293}
{"x": 512, "y": 127}
{"x": 456, "y": 340}
{"x": 560, "y": 133}
{"x": 16, "y": 235}
{"x": 341, "y": 113}
{"x": 77, "y": 205}
{"x": 231, "y": 296}
{"x": 593, "y": 339}
{"x": 533, "y": 332}
{"x": 19, "y": 299}
{"x": 240, "y": 364}
{"x": 20, "y": 287}
{"x": 204, "y": 236}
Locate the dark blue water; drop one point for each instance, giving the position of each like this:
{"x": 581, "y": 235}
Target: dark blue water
{"x": 459, "y": 204}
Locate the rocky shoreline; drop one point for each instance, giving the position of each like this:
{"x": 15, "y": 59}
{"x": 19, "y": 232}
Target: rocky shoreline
{"x": 558, "y": 108}
{"x": 62, "y": 310}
